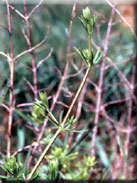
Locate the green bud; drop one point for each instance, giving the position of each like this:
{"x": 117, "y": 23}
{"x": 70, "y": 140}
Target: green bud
{"x": 87, "y": 54}
{"x": 86, "y": 13}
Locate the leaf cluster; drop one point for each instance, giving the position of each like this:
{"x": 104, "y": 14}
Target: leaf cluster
{"x": 61, "y": 165}
{"x": 81, "y": 172}
{"x": 16, "y": 170}
{"x": 58, "y": 162}
{"x": 88, "y": 56}
{"x": 41, "y": 111}
{"x": 87, "y": 21}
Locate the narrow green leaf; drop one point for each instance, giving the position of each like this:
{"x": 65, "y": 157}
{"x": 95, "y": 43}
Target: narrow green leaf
{"x": 96, "y": 56}
{"x": 21, "y": 114}
{"x": 27, "y": 159}
{"x": 21, "y": 139}
{"x": 53, "y": 119}
{"x": 82, "y": 20}
{"x": 7, "y": 178}
{"x": 61, "y": 117}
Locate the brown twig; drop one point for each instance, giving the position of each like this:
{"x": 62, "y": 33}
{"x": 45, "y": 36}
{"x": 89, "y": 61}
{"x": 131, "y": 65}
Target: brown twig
{"x": 33, "y": 48}
{"x": 113, "y": 85}
{"x": 74, "y": 75}
{"x": 114, "y": 102}
{"x": 129, "y": 122}
{"x": 121, "y": 62}
{"x": 99, "y": 91}
{"x": 123, "y": 19}
{"x": 18, "y": 12}
{"x": 29, "y": 84}
{"x": 61, "y": 82}
{"x": 3, "y": 26}
{"x": 34, "y": 70}
{"x": 5, "y": 106}
{"x": 34, "y": 9}
{"x": 121, "y": 75}
{"x": 44, "y": 59}
{"x": 68, "y": 58}
{"x": 11, "y": 96}
{"x": 24, "y": 149}
{"x": 24, "y": 105}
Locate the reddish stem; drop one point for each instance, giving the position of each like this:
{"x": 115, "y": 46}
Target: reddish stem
{"x": 61, "y": 82}
{"x": 11, "y": 66}
{"x": 34, "y": 70}
{"x": 99, "y": 91}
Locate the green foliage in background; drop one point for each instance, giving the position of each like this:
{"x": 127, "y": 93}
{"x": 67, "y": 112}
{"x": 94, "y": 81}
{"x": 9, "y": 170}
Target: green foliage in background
{"x": 59, "y": 163}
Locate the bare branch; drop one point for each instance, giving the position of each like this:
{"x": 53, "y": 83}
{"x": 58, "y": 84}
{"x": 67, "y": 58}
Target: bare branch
{"x": 24, "y": 105}
{"x": 99, "y": 91}
{"x": 123, "y": 19}
{"x": 114, "y": 102}
{"x": 18, "y": 12}
{"x": 62, "y": 79}
{"x": 35, "y": 8}
{"x": 29, "y": 84}
{"x": 74, "y": 75}
{"x": 5, "y": 106}
{"x": 32, "y": 49}
{"x": 3, "y": 54}
{"x": 3, "y": 26}
{"x": 44, "y": 59}
{"x": 11, "y": 95}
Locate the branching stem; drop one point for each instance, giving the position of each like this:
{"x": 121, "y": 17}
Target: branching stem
{"x": 59, "y": 130}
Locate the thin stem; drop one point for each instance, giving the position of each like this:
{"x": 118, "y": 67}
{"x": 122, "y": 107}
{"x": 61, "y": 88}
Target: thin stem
{"x": 89, "y": 44}
{"x": 62, "y": 78}
{"x": 34, "y": 69}
{"x": 68, "y": 58}
{"x": 43, "y": 154}
{"x": 129, "y": 121}
{"x": 78, "y": 112}
{"x": 123, "y": 19}
{"x": 63, "y": 123}
{"x": 31, "y": 49}
{"x": 34, "y": 9}
{"x": 11, "y": 66}
{"x": 76, "y": 96}
{"x": 99, "y": 91}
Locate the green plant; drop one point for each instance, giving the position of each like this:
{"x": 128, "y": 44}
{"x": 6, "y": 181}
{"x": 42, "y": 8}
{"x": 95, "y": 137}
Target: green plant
{"x": 60, "y": 165}
{"x": 39, "y": 105}
{"x": 15, "y": 169}
{"x": 90, "y": 59}
{"x": 81, "y": 172}
{"x": 59, "y": 158}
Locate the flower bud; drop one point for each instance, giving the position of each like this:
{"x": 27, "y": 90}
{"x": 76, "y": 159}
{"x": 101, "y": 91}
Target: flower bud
{"x": 86, "y": 13}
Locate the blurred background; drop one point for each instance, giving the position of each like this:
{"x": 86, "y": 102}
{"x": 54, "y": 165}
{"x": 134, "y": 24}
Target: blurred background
{"x": 118, "y": 100}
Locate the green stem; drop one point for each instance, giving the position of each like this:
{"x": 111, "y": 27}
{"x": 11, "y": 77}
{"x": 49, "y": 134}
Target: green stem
{"x": 89, "y": 44}
{"x": 59, "y": 130}
{"x": 52, "y": 119}
{"x": 76, "y": 96}
{"x": 43, "y": 154}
